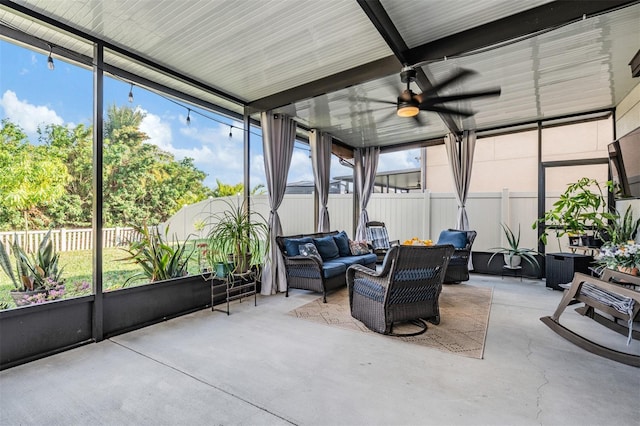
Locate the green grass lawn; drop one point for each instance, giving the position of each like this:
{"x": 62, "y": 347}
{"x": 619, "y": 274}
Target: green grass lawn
{"x": 78, "y": 269}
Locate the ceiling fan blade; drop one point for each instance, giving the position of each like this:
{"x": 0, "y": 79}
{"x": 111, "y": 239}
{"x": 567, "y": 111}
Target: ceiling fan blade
{"x": 388, "y": 116}
{"x": 380, "y": 101}
{"x": 418, "y": 120}
{"x": 450, "y": 111}
{"x": 460, "y": 74}
{"x": 442, "y": 99}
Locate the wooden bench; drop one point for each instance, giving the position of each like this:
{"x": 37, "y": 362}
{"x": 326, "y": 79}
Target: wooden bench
{"x": 616, "y": 296}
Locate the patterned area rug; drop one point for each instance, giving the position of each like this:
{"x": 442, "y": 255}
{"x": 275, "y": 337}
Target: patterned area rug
{"x": 464, "y": 316}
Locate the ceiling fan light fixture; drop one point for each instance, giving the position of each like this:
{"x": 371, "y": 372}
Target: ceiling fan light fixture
{"x": 407, "y": 110}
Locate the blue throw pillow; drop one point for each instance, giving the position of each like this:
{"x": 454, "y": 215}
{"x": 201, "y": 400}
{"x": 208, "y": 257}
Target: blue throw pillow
{"x": 342, "y": 241}
{"x": 291, "y": 245}
{"x": 457, "y": 238}
{"x": 327, "y": 247}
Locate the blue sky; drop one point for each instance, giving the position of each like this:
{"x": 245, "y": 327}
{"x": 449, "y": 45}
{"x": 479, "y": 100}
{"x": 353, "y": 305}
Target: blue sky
{"x": 32, "y": 95}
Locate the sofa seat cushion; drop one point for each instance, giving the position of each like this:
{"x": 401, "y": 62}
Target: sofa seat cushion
{"x": 363, "y": 259}
{"x": 331, "y": 269}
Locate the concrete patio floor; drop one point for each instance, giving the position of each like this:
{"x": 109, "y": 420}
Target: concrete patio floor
{"x": 260, "y": 366}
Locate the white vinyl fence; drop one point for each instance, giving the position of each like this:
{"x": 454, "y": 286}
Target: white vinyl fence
{"x": 406, "y": 215}
{"x": 69, "y": 239}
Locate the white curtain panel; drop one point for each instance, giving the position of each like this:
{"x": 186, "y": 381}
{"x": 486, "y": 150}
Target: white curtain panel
{"x": 365, "y": 169}
{"x": 461, "y": 161}
{"x": 278, "y": 138}
{"x": 320, "y": 144}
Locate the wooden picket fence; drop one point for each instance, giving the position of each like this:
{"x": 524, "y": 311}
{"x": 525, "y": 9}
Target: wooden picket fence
{"x": 70, "y": 239}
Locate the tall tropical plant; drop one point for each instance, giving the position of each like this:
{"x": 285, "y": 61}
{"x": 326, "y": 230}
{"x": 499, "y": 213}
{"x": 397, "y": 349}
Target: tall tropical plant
{"x": 158, "y": 258}
{"x": 240, "y": 233}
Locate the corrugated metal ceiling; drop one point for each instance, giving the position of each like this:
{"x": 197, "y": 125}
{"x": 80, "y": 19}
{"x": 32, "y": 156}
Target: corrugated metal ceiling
{"x": 250, "y": 50}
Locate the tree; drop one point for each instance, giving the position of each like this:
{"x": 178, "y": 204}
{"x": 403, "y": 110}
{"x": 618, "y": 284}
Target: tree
{"x": 29, "y": 175}
{"x": 226, "y": 190}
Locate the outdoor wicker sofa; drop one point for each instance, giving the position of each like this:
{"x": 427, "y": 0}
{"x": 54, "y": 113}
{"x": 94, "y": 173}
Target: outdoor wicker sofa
{"x": 405, "y": 290}
{"x": 323, "y": 272}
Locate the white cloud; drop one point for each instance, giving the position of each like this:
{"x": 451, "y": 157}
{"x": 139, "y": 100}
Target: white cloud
{"x": 26, "y": 115}
{"x": 399, "y": 160}
{"x": 159, "y": 131}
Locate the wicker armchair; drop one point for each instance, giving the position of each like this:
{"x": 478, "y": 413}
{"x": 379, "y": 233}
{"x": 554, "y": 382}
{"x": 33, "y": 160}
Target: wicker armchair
{"x": 405, "y": 290}
{"x": 458, "y": 269}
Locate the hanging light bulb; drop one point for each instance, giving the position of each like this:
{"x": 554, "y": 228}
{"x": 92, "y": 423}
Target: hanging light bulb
{"x": 131, "y": 93}
{"x": 230, "y": 132}
{"x": 50, "y": 63}
{"x": 188, "y": 117}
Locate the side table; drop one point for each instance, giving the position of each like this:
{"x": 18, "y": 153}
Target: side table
{"x": 233, "y": 287}
{"x": 512, "y": 271}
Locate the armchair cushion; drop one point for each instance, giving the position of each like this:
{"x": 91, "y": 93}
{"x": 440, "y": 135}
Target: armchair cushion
{"x": 456, "y": 238}
{"x": 327, "y": 247}
{"x": 369, "y": 288}
{"x": 342, "y": 241}
{"x": 292, "y": 245}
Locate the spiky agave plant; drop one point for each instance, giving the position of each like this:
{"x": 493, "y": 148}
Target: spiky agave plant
{"x": 159, "y": 258}
{"x": 38, "y": 271}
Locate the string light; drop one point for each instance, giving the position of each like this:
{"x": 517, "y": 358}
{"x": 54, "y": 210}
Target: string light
{"x": 50, "y": 63}
{"x": 188, "y": 117}
{"x": 131, "y": 93}
{"x": 230, "y": 133}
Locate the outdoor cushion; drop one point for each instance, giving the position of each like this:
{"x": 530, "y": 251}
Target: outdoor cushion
{"x": 327, "y": 247}
{"x": 379, "y": 237}
{"x": 363, "y": 259}
{"x": 342, "y": 241}
{"x": 359, "y": 247}
{"x": 310, "y": 250}
{"x": 457, "y": 238}
{"x": 292, "y": 244}
{"x": 331, "y": 269}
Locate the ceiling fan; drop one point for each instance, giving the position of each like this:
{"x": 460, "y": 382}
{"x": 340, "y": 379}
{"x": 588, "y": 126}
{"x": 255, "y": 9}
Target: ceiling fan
{"x": 409, "y": 104}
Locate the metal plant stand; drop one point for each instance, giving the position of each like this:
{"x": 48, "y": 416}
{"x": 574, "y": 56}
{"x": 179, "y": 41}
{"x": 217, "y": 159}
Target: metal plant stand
{"x": 235, "y": 287}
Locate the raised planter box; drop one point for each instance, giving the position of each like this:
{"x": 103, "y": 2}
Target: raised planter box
{"x": 480, "y": 266}
{"x": 36, "y": 331}
{"x": 136, "y": 307}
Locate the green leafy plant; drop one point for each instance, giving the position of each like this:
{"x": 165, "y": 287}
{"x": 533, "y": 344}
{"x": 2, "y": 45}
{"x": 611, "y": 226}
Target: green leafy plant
{"x": 514, "y": 249}
{"x": 37, "y": 271}
{"x": 158, "y": 258}
{"x": 623, "y": 229}
{"x": 240, "y": 234}
{"x": 581, "y": 208}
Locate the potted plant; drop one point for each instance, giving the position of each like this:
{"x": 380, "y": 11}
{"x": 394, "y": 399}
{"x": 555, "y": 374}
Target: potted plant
{"x": 580, "y": 209}
{"x": 514, "y": 254}
{"x": 623, "y": 257}
{"x": 239, "y": 234}
{"x": 622, "y": 229}
{"x": 159, "y": 258}
{"x": 38, "y": 277}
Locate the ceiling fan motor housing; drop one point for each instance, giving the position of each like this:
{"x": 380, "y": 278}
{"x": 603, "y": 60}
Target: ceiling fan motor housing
{"x": 408, "y": 75}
